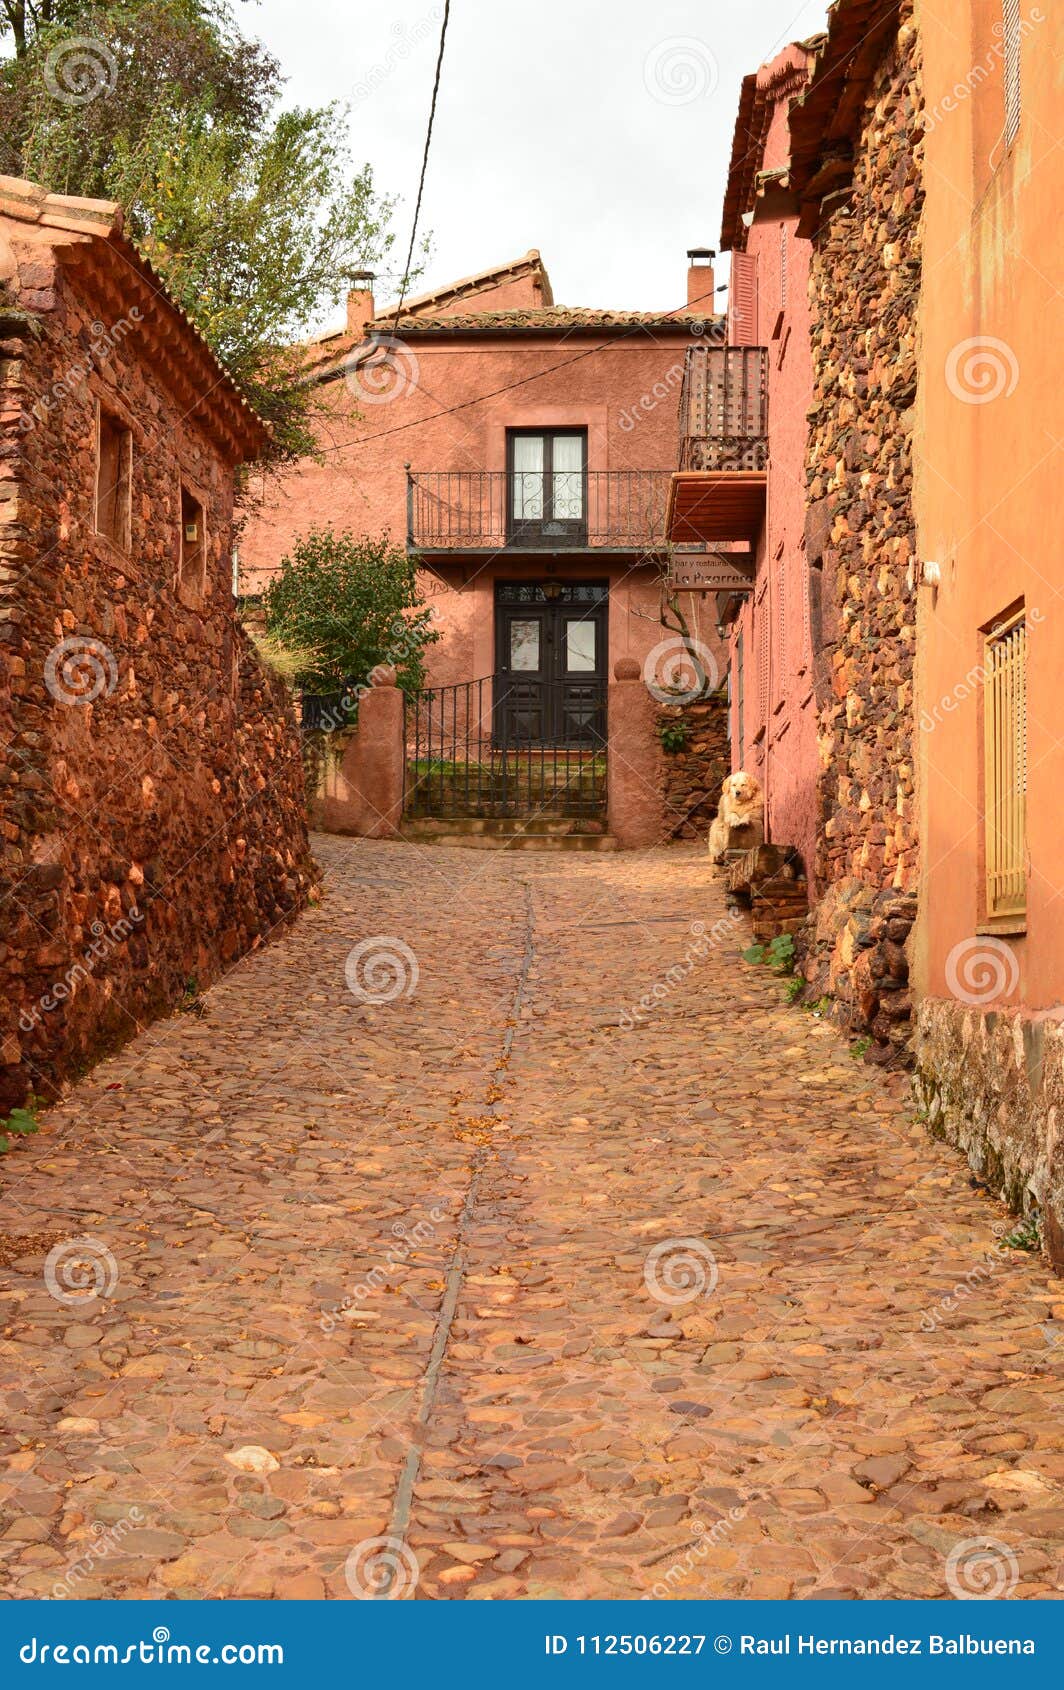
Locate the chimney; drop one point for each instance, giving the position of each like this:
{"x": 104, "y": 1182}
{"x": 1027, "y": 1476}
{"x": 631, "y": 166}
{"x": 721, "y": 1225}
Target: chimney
{"x": 700, "y": 279}
{"x": 360, "y": 306}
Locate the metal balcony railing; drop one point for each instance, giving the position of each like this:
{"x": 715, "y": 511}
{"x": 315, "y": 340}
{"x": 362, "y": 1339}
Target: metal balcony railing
{"x": 496, "y": 510}
{"x": 724, "y": 408}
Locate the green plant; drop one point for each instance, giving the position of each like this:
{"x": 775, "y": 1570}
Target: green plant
{"x": 1025, "y": 1235}
{"x": 674, "y": 735}
{"x": 252, "y": 209}
{"x": 19, "y": 1124}
{"x": 794, "y": 989}
{"x": 859, "y": 1046}
{"x": 778, "y": 954}
{"x": 354, "y": 602}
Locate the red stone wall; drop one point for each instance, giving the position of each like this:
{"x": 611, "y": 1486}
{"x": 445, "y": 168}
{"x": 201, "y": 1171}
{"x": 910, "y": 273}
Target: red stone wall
{"x": 151, "y": 796}
{"x": 860, "y": 541}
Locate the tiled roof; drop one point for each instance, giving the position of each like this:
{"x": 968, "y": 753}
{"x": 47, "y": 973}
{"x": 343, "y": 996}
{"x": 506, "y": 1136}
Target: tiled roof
{"x": 531, "y": 265}
{"x": 545, "y": 319}
{"x": 88, "y": 231}
{"x": 782, "y": 78}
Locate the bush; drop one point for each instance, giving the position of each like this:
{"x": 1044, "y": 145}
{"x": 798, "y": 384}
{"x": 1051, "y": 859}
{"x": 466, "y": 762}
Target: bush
{"x": 350, "y": 603}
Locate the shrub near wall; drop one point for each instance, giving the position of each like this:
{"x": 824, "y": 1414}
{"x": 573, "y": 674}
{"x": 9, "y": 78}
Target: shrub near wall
{"x": 151, "y": 800}
{"x": 861, "y": 545}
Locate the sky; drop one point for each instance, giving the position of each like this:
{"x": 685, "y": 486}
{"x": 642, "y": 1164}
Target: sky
{"x": 598, "y": 131}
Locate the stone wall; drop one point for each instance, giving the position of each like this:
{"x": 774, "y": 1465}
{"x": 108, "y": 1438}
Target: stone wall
{"x": 151, "y": 793}
{"x": 860, "y": 542}
{"x": 692, "y": 777}
{"x": 993, "y": 1085}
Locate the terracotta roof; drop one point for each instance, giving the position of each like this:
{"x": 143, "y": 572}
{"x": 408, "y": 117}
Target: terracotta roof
{"x": 89, "y": 240}
{"x": 824, "y": 120}
{"x": 779, "y": 79}
{"x": 547, "y": 320}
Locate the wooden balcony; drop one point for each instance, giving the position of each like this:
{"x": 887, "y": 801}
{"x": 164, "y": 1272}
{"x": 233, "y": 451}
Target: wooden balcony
{"x": 718, "y": 492}
{"x": 462, "y": 511}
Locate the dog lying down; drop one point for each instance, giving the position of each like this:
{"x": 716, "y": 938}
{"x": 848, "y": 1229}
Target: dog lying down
{"x": 742, "y": 804}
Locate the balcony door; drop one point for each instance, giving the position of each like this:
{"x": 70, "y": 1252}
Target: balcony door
{"x": 546, "y": 487}
{"x": 550, "y": 676}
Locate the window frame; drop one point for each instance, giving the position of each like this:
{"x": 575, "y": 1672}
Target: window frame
{"x": 191, "y": 592}
{"x": 1005, "y": 771}
{"x": 546, "y": 525}
{"x": 121, "y": 537}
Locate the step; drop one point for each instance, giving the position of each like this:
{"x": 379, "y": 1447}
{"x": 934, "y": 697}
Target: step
{"x": 515, "y": 841}
{"x": 428, "y": 827}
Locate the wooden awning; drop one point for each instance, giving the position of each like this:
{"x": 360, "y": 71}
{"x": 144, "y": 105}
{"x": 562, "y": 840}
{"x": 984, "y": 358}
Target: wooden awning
{"x": 708, "y": 506}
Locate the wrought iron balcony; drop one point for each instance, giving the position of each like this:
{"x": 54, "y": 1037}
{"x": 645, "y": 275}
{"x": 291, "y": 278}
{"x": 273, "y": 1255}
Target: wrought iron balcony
{"x": 499, "y": 510}
{"x": 724, "y": 408}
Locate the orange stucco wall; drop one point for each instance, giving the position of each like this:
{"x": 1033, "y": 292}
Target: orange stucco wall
{"x": 988, "y": 472}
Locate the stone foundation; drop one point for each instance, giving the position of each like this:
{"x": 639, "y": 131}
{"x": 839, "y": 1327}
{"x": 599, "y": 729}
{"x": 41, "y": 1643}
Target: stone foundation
{"x": 992, "y": 1083}
{"x": 692, "y": 778}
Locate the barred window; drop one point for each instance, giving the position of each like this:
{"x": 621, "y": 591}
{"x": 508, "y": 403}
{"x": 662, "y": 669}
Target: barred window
{"x": 783, "y": 266}
{"x": 1005, "y": 750}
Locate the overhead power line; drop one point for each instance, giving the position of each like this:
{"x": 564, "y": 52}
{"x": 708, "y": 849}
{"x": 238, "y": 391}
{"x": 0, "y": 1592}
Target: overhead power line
{"x": 424, "y": 158}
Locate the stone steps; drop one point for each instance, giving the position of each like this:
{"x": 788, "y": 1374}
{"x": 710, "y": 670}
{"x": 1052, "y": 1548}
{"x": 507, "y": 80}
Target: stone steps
{"x": 512, "y": 833}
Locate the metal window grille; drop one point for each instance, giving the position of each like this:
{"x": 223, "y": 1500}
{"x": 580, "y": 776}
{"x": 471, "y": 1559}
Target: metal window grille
{"x": 783, "y": 266}
{"x": 781, "y": 624}
{"x": 1005, "y": 747}
{"x": 1011, "y": 40}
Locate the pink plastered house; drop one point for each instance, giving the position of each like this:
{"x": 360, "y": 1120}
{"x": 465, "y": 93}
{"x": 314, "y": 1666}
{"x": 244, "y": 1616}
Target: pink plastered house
{"x": 742, "y": 481}
{"x": 523, "y": 451}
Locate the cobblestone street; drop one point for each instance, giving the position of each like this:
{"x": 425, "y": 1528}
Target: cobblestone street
{"x": 559, "y": 1294}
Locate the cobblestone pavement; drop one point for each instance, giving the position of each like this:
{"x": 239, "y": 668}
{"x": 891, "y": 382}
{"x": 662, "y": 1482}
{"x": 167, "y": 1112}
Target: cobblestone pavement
{"x": 559, "y": 1294}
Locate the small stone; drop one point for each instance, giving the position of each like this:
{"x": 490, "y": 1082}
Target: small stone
{"x": 252, "y": 1458}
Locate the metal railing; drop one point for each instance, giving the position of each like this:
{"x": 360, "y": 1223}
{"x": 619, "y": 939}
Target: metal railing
{"x": 724, "y": 408}
{"x": 466, "y": 757}
{"x": 477, "y": 510}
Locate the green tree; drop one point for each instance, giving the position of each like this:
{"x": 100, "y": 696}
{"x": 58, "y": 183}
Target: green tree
{"x": 253, "y": 214}
{"x": 354, "y": 602}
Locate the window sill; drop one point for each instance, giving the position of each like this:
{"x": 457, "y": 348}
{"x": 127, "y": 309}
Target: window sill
{"x": 1005, "y": 926}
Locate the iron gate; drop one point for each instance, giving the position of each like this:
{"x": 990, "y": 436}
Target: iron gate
{"x": 467, "y": 755}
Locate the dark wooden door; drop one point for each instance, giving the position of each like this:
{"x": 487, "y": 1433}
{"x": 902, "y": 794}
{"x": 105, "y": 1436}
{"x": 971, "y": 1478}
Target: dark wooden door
{"x": 550, "y": 676}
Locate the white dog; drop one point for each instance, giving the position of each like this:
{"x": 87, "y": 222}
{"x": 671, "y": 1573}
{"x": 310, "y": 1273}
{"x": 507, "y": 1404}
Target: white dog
{"x": 742, "y": 804}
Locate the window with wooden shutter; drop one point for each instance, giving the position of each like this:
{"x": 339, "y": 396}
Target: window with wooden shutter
{"x": 1005, "y": 751}
{"x": 783, "y": 266}
{"x": 1011, "y": 41}
{"x": 763, "y": 638}
{"x": 742, "y": 300}
{"x": 114, "y": 460}
{"x": 740, "y": 702}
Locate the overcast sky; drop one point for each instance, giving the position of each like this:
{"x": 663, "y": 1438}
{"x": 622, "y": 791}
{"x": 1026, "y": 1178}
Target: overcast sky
{"x": 596, "y": 130}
